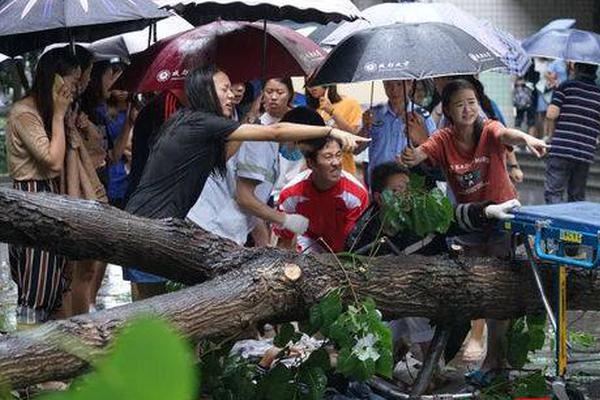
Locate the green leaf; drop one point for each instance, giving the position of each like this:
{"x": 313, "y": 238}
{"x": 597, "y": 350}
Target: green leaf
{"x": 149, "y": 360}
{"x": 533, "y": 385}
{"x": 277, "y": 384}
{"x": 416, "y": 182}
{"x": 285, "y": 335}
{"x": 315, "y": 318}
{"x": 312, "y": 383}
{"x": 318, "y": 359}
{"x": 417, "y": 211}
{"x": 385, "y": 364}
{"x": 329, "y": 309}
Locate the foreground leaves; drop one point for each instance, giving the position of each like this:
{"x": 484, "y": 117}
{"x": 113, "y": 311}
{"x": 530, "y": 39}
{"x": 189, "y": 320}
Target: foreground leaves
{"x": 148, "y": 361}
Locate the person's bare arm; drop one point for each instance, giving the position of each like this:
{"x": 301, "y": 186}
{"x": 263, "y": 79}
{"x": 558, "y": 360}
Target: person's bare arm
{"x": 250, "y": 204}
{"x": 287, "y": 132}
{"x": 514, "y": 170}
{"x": 261, "y": 234}
{"x": 550, "y": 122}
{"x": 517, "y": 137}
{"x": 286, "y": 243}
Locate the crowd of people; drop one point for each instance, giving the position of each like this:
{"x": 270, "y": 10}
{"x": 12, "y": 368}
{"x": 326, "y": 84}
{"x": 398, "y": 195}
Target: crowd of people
{"x": 252, "y": 166}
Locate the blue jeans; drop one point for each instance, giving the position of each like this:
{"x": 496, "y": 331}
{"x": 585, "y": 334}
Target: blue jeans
{"x": 565, "y": 173}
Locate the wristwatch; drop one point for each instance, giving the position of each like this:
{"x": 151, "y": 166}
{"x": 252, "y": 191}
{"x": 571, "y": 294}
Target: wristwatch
{"x": 513, "y": 166}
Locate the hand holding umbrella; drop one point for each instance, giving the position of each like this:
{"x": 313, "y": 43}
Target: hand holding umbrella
{"x": 417, "y": 132}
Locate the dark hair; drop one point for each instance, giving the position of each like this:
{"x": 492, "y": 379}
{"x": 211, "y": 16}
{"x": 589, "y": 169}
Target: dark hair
{"x": 288, "y": 84}
{"x": 586, "y": 70}
{"x": 93, "y": 95}
{"x": 332, "y": 95}
{"x": 56, "y": 61}
{"x": 201, "y": 92}
{"x": 383, "y": 172}
{"x": 308, "y": 116}
{"x": 303, "y": 115}
{"x": 84, "y": 57}
{"x": 449, "y": 90}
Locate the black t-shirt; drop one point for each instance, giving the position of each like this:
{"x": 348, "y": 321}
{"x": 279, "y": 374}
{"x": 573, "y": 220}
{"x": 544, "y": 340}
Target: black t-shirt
{"x": 147, "y": 125}
{"x": 186, "y": 151}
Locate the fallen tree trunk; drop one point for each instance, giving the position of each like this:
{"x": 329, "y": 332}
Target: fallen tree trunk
{"x": 91, "y": 230}
{"x": 260, "y": 285}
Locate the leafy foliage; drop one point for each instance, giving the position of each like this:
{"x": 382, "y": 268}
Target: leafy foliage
{"x": 362, "y": 340}
{"x": 365, "y": 342}
{"x": 149, "y": 360}
{"x": 528, "y": 386}
{"x": 527, "y": 334}
{"x": 417, "y": 210}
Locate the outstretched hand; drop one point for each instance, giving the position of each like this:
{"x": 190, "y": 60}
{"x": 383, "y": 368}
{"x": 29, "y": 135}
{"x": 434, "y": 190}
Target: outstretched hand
{"x": 537, "y": 146}
{"x": 349, "y": 141}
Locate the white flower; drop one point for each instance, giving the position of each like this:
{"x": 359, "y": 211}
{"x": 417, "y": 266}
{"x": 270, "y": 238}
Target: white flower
{"x": 364, "y": 348}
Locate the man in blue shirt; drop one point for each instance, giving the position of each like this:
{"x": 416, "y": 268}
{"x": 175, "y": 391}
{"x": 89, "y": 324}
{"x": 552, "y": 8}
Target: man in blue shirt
{"x": 385, "y": 124}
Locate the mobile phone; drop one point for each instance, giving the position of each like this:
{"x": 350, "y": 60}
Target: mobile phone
{"x": 58, "y": 83}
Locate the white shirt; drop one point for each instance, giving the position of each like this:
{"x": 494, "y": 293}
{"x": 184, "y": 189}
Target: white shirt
{"x": 217, "y": 210}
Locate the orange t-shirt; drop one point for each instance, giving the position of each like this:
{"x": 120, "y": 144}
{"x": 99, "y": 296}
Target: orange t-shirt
{"x": 349, "y": 110}
{"x": 477, "y": 175}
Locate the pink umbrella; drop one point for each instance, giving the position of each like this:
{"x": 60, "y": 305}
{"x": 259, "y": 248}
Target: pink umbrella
{"x": 235, "y": 47}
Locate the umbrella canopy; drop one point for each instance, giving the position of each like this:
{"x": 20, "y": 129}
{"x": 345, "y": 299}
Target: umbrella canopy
{"x": 32, "y": 24}
{"x": 501, "y": 43}
{"x": 566, "y": 23}
{"x": 321, "y": 11}
{"x": 127, "y": 44}
{"x": 567, "y": 44}
{"x": 397, "y": 52}
{"x": 236, "y": 47}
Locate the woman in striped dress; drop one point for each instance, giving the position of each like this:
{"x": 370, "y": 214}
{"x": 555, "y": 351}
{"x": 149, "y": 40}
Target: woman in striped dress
{"x": 35, "y": 135}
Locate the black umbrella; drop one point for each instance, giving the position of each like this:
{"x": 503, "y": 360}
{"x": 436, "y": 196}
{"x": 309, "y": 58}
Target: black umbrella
{"x": 200, "y": 12}
{"x": 405, "y": 51}
{"x": 33, "y": 24}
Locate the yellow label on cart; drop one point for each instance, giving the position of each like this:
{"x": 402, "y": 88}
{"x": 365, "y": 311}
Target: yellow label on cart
{"x": 507, "y": 225}
{"x": 571, "y": 237}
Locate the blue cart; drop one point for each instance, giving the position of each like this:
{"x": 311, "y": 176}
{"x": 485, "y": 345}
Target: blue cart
{"x": 553, "y": 237}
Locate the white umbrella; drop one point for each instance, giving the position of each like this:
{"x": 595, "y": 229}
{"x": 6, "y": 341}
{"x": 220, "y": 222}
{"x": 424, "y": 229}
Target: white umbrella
{"x": 123, "y": 46}
{"x": 501, "y": 43}
{"x": 321, "y": 11}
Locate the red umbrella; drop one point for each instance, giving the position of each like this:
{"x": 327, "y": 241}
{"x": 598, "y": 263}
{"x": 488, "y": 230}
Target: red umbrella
{"x": 235, "y": 47}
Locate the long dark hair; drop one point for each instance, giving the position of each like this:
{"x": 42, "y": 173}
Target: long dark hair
{"x": 201, "y": 92}
{"x": 332, "y": 95}
{"x": 56, "y": 61}
{"x": 451, "y": 88}
{"x": 84, "y": 57}
{"x": 93, "y": 95}
{"x": 202, "y": 96}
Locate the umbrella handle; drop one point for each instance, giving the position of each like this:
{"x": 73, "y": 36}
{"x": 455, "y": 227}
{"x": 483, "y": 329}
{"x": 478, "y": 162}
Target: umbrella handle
{"x": 371, "y": 97}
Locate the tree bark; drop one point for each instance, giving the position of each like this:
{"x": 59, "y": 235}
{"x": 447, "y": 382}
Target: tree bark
{"x": 248, "y": 285}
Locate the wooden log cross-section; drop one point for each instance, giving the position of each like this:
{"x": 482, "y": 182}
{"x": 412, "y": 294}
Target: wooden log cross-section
{"x": 237, "y": 287}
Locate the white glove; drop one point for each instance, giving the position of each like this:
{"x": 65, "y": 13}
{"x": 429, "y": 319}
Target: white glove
{"x": 295, "y": 223}
{"x": 500, "y": 211}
